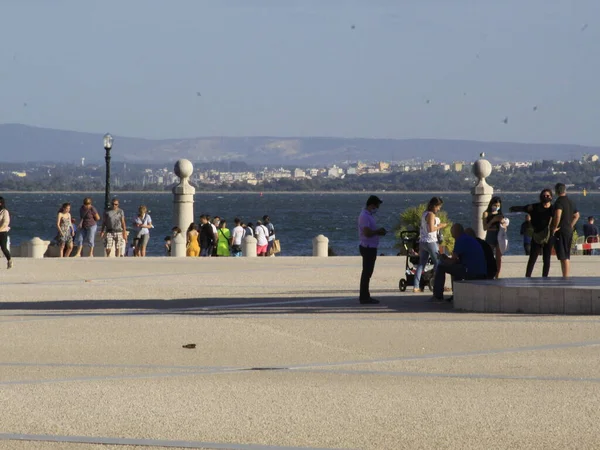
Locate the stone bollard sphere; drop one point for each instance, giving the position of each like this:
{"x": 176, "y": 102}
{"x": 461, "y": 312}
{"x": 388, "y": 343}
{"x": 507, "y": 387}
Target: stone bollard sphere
{"x": 320, "y": 246}
{"x": 178, "y": 243}
{"x": 249, "y": 247}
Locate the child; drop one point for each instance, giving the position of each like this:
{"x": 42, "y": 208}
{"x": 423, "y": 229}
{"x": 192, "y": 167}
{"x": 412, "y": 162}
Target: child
{"x": 130, "y": 250}
{"x": 168, "y": 245}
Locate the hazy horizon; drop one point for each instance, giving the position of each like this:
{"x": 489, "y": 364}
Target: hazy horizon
{"x": 303, "y": 137}
{"x": 379, "y": 69}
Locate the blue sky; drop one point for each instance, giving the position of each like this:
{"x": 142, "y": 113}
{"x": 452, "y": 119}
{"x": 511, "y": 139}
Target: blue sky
{"x": 409, "y": 68}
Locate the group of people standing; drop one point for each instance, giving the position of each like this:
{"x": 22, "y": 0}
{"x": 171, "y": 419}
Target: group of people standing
{"x": 214, "y": 238}
{"x": 113, "y": 229}
{"x": 474, "y": 258}
{"x": 552, "y": 227}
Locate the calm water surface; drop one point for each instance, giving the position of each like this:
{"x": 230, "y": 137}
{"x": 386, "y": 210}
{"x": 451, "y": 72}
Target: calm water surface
{"x": 297, "y": 217}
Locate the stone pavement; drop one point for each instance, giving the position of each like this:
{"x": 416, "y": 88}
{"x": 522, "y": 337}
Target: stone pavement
{"x": 91, "y": 357}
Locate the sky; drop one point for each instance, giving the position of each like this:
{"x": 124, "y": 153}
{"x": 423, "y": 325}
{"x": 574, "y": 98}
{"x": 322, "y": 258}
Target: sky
{"x": 447, "y": 69}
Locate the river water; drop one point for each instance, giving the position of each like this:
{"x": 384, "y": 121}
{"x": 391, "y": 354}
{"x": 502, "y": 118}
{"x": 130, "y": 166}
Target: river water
{"x": 297, "y": 217}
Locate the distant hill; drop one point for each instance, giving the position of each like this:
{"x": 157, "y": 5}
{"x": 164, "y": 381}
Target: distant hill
{"x": 21, "y": 143}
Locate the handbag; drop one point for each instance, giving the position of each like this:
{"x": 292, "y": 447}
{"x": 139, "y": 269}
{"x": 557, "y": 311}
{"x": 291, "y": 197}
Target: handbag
{"x": 541, "y": 237}
{"x": 276, "y": 246}
{"x": 503, "y": 236}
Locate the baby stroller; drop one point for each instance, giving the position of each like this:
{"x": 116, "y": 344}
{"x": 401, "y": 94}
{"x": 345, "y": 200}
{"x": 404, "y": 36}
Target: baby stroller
{"x": 410, "y": 243}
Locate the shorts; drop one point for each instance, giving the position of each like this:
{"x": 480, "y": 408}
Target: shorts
{"x": 143, "y": 240}
{"x": 562, "y": 245}
{"x": 236, "y": 250}
{"x": 113, "y": 239}
{"x": 261, "y": 249}
{"x": 86, "y": 236}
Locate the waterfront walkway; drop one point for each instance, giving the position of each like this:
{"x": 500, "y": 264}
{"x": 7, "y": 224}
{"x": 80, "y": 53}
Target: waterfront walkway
{"x": 91, "y": 357}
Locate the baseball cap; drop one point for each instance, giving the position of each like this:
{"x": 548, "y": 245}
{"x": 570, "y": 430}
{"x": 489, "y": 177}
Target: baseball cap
{"x": 374, "y": 200}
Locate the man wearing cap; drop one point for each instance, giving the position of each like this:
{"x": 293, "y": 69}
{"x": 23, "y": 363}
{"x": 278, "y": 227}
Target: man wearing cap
{"x": 369, "y": 241}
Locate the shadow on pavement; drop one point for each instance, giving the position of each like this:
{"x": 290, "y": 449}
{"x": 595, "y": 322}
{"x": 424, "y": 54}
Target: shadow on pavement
{"x": 215, "y": 306}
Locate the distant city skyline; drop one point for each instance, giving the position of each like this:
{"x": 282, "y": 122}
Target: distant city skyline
{"x": 487, "y": 71}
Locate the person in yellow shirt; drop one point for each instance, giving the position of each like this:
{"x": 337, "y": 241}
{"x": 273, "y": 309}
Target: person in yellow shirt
{"x": 224, "y": 241}
{"x": 193, "y": 246}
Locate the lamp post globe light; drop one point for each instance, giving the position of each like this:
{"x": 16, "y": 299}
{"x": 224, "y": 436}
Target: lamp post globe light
{"x": 108, "y": 142}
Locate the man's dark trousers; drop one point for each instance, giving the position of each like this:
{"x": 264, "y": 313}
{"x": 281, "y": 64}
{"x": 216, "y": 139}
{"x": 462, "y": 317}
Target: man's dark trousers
{"x": 456, "y": 271}
{"x": 369, "y": 255}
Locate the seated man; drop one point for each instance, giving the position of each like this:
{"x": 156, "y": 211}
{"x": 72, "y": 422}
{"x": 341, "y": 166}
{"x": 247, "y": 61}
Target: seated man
{"x": 466, "y": 263}
{"x": 490, "y": 260}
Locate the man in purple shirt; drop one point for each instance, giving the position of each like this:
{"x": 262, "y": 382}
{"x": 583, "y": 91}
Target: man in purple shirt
{"x": 369, "y": 241}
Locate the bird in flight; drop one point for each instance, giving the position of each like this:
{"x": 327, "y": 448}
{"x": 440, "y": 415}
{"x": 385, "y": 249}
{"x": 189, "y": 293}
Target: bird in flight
{"x": 584, "y": 27}
{"x": 505, "y": 120}
{"x": 198, "y": 94}
{"x": 353, "y": 27}
{"x": 535, "y": 108}
{"x": 427, "y": 101}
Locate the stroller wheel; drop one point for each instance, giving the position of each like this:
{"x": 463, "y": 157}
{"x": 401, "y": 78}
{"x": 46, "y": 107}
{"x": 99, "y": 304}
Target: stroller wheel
{"x": 402, "y": 284}
{"x": 431, "y": 284}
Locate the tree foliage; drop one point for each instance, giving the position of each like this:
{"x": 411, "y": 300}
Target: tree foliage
{"x": 410, "y": 220}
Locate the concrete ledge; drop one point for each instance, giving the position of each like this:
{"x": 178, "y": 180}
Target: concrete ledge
{"x": 578, "y": 295}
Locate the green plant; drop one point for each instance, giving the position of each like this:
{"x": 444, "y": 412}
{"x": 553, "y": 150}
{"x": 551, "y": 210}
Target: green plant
{"x": 574, "y": 243}
{"x": 410, "y": 219}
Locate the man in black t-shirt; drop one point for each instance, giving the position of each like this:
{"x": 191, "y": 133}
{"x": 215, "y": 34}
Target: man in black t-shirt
{"x": 564, "y": 220}
{"x": 207, "y": 236}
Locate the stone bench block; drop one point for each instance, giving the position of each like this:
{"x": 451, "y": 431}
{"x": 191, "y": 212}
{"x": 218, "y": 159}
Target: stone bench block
{"x": 578, "y": 301}
{"x": 579, "y": 295}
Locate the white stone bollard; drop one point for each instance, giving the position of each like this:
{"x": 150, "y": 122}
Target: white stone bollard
{"x": 320, "y": 246}
{"x": 35, "y": 248}
{"x": 178, "y": 243}
{"x": 249, "y": 247}
{"x": 481, "y": 194}
{"x": 183, "y": 195}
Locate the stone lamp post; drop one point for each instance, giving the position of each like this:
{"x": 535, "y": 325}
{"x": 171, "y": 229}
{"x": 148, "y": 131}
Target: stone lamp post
{"x": 108, "y": 143}
{"x": 183, "y": 205}
{"x": 481, "y": 193}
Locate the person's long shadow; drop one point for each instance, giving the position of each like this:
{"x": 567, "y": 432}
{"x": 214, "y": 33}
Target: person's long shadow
{"x": 223, "y": 306}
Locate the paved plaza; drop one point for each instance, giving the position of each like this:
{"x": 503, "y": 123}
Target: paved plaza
{"x": 92, "y": 357}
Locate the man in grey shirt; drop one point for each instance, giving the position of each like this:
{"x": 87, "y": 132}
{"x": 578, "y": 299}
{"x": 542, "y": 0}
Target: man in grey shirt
{"x": 113, "y": 228}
